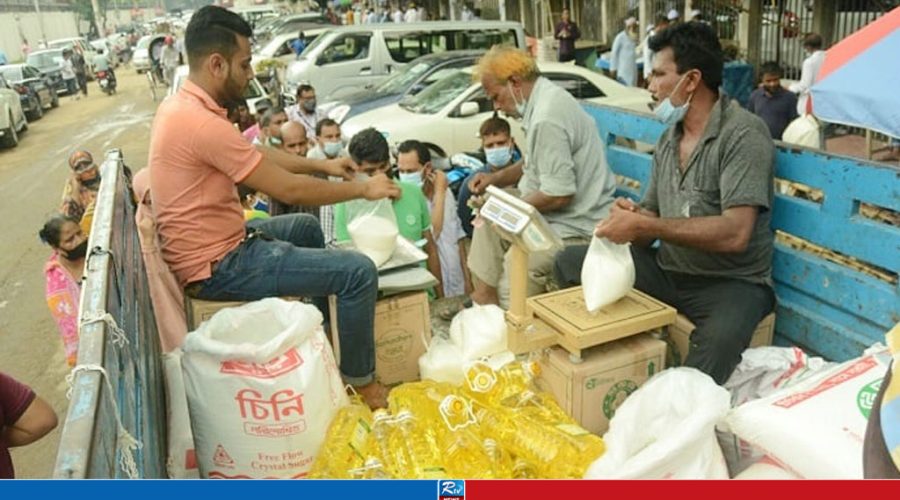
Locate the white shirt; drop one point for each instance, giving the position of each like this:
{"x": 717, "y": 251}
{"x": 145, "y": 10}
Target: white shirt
{"x": 622, "y": 60}
{"x": 295, "y": 114}
{"x": 68, "y": 71}
{"x": 397, "y": 16}
{"x": 447, "y": 243}
{"x": 169, "y": 56}
{"x": 411, "y": 16}
{"x": 808, "y": 74}
{"x": 648, "y": 55}
{"x": 467, "y": 15}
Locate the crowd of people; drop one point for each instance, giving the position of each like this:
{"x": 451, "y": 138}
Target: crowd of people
{"x": 248, "y": 207}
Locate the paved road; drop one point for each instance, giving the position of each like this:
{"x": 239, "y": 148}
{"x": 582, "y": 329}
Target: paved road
{"x": 31, "y": 180}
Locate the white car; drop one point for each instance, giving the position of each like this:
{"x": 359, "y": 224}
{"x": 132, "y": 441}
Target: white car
{"x": 450, "y": 111}
{"x": 279, "y": 47}
{"x": 254, "y": 94}
{"x": 12, "y": 117}
{"x": 141, "y": 57}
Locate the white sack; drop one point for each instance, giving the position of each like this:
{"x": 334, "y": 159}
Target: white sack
{"x": 181, "y": 461}
{"x": 262, "y": 389}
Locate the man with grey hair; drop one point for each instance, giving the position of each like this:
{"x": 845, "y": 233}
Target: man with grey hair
{"x": 270, "y": 127}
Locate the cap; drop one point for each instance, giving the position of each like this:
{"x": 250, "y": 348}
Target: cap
{"x": 631, "y": 21}
{"x": 80, "y": 156}
{"x": 650, "y": 27}
{"x": 695, "y": 13}
{"x": 673, "y": 15}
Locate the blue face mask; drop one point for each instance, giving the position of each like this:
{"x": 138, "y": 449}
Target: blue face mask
{"x": 670, "y": 114}
{"x": 261, "y": 205}
{"x": 332, "y": 149}
{"x": 499, "y": 156}
{"x": 412, "y": 178}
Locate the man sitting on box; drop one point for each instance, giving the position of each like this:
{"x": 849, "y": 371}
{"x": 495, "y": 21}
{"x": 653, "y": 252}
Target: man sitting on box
{"x": 196, "y": 158}
{"x": 565, "y": 175}
{"x": 708, "y": 202}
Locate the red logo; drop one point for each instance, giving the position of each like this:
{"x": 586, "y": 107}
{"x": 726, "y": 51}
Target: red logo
{"x": 852, "y": 371}
{"x": 222, "y": 458}
{"x": 271, "y": 369}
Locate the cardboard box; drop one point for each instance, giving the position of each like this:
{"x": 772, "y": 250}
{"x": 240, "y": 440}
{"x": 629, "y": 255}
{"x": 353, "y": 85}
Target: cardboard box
{"x": 579, "y": 329}
{"x": 680, "y": 335}
{"x": 198, "y": 310}
{"x": 592, "y": 390}
{"x": 402, "y": 332}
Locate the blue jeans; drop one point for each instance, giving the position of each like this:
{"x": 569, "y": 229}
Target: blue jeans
{"x": 462, "y": 205}
{"x": 287, "y": 257}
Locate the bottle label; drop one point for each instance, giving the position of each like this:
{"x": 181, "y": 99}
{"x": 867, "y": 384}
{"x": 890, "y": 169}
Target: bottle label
{"x": 572, "y": 430}
{"x": 359, "y": 437}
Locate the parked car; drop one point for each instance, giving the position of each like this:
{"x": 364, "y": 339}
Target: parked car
{"x": 36, "y": 91}
{"x": 289, "y": 24}
{"x": 86, "y": 50}
{"x": 49, "y": 62}
{"x": 141, "y": 57}
{"x": 103, "y": 46}
{"x": 411, "y": 80}
{"x": 254, "y": 94}
{"x": 279, "y": 47}
{"x": 12, "y": 117}
{"x": 346, "y": 59}
{"x": 450, "y": 111}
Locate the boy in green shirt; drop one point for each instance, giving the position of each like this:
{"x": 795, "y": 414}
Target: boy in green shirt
{"x": 370, "y": 151}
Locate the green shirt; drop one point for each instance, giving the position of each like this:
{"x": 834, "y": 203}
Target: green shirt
{"x": 411, "y": 210}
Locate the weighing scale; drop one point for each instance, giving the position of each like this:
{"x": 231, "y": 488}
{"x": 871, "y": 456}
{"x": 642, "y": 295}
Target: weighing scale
{"x": 559, "y": 317}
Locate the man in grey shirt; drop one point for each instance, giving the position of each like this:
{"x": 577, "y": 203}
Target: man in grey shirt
{"x": 708, "y": 202}
{"x": 565, "y": 175}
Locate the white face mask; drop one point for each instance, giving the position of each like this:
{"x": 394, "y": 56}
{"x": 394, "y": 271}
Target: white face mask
{"x": 520, "y": 106}
{"x": 412, "y": 178}
{"x": 667, "y": 112}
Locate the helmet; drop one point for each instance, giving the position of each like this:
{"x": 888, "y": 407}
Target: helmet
{"x": 169, "y": 40}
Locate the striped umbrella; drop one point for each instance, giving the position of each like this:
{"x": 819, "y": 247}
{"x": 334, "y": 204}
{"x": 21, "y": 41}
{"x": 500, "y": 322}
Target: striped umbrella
{"x": 858, "y": 82}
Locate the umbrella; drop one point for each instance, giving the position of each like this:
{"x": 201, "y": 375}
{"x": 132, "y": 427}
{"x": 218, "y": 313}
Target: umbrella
{"x": 857, "y": 84}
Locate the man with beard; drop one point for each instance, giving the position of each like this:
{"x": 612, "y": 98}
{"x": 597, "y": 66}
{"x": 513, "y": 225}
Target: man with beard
{"x": 197, "y": 157}
{"x": 81, "y": 189}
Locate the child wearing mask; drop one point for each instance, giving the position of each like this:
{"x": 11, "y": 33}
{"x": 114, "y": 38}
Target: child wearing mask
{"x": 414, "y": 166}
{"x": 503, "y": 167}
{"x": 255, "y": 204}
{"x": 370, "y": 151}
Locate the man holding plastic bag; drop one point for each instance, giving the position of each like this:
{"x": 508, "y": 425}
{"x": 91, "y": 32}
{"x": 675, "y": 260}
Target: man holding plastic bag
{"x": 565, "y": 175}
{"x": 708, "y": 202}
{"x": 196, "y": 159}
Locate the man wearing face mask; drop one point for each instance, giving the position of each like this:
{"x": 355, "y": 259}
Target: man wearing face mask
{"x": 503, "y": 167}
{"x": 329, "y": 145}
{"x": 708, "y": 202}
{"x": 306, "y": 112}
{"x": 414, "y": 166}
{"x": 80, "y": 190}
{"x": 565, "y": 175}
{"x": 270, "y": 127}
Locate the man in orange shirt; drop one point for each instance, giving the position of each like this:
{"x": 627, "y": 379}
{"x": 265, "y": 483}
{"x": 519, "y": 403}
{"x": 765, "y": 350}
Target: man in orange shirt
{"x": 196, "y": 159}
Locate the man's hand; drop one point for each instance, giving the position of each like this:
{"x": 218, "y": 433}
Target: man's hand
{"x": 480, "y": 182}
{"x": 626, "y": 205}
{"x": 379, "y": 186}
{"x": 622, "y": 226}
{"x": 341, "y": 167}
{"x": 438, "y": 179}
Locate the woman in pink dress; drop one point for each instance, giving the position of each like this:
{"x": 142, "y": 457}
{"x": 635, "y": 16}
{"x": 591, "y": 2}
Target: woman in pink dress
{"x": 63, "y": 272}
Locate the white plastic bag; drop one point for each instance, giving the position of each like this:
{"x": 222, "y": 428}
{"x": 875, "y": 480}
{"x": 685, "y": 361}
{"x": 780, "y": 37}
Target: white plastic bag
{"x": 666, "y": 430}
{"x": 479, "y": 331}
{"x": 815, "y": 428}
{"x": 373, "y": 228}
{"x": 443, "y": 362}
{"x": 262, "y": 389}
{"x": 181, "y": 461}
{"x": 764, "y": 370}
{"x": 607, "y": 273}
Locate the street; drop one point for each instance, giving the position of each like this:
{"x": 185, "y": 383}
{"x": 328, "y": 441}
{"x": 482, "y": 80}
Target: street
{"x": 31, "y": 182}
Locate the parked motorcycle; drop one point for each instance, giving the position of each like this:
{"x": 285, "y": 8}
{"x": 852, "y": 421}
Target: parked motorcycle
{"x": 107, "y": 81}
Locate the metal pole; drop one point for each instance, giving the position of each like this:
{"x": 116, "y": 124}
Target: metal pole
{"x": 37, "y": 8}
